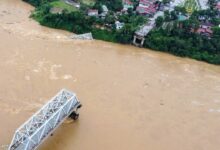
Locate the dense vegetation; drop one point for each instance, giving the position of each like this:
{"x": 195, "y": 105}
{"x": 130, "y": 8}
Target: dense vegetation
{"x": 78, "y": 21}
{"x": 170, "y": 35}
{"x": 177, "y": 38}
{"x": 114, "y": 5}
{"x": 37, "y": 3}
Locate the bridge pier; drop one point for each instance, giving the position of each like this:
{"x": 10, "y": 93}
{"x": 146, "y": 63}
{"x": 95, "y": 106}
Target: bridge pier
{"x": 75, "y": 115}
{"x": 138, "y": 40}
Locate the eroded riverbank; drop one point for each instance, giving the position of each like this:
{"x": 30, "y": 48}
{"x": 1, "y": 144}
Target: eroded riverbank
{"x": 133, "y": 98}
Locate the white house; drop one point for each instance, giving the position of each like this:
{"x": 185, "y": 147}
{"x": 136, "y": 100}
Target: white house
{"x": 104, "y": 9}
{"x": 127, "y": 4}
{"x": 119, "y": 25}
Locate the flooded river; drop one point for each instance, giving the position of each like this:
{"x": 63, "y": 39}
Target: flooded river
{"x": 133, "y": 99}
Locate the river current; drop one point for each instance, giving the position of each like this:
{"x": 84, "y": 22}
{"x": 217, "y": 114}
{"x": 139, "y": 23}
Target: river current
{"x": 133, "y": 99}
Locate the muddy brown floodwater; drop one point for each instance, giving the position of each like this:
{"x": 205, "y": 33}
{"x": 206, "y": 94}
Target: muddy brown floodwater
{"x": 133, "y": 99}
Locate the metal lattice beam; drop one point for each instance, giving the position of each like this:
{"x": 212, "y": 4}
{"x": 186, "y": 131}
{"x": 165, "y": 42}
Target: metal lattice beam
{"x": 34, "y": 131}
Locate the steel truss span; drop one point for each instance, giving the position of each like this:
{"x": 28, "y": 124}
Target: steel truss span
{"x": 35, "y": 130}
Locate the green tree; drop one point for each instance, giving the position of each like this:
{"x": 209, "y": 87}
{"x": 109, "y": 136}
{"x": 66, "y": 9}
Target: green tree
{"x": 166, "y": 15}
{"x": 166, "y": 1}
{"x": 173, "y": 15}
{"x": 159, "y": 21}
{"x": 125, "y": 35}
{"x": 98, "y": 6}
{"x": 114, "y": 5}
{"x": 181, "y": 10}
{"x": 109, "y": 19}
{"x": 130, "y": 11}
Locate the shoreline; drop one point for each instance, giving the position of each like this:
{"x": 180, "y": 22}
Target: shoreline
{"x": 174, "y": 45}
{"x": 63, "y": 35}
{"x": 134, "y": 98}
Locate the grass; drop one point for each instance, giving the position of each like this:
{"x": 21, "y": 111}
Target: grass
{"x": 63, "y": 5}
{"x": 88, "y": 2}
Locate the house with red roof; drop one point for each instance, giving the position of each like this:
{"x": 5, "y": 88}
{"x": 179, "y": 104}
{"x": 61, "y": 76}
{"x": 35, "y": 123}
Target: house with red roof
{"x": 127, "y": 4}
{"x": 205, "y": 32}
{"x": 147, "y": 7}
{"x": 205, "y": 29}
{"x": 93, "y": 12}
{"x": 146, "y": 3}
{"x": 218, "y": 6}
{"x": 151, "y": 10}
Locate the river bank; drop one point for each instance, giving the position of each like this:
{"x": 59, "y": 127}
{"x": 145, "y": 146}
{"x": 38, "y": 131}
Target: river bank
{"x": 178, "y": 38}
{"x": 132, "y": 98}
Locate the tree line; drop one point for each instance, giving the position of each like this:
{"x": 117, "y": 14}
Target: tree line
{"x": 79, "y": 22}
{"x": 177, "y": 37}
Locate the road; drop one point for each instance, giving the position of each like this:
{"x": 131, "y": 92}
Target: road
{"x": 145, "y": 29}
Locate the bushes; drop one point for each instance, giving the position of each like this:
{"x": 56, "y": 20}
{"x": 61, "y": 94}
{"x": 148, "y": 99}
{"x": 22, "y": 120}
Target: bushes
{"x": 75, "y": 22}
{"x": 114, "y": 5}
{"x": 78, "y": 22}
{"x": 104, "y": 35}
{"x": 196, "y": 47}
{"x": 179, "y": 38}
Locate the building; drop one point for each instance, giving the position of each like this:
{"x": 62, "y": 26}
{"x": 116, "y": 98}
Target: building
{"x": 147, "y": 7}
{"x": 182, "y": 17}
{"x": 146, "y": 11}
{"x": 119, "y": 25}
{"x": 218, "y": 6}
{"x": 161, "y": 7}
{"x": 93, "y": 12}
{"x": 127, "y": 4}
{"x": 104, "y": 12}
{"x": 202, "y": 18}
{"x": 205, "y": 29}
{"x": 205, "y": 32}
{"x": 206, "y": 25}
{"x": 146, "y": 3}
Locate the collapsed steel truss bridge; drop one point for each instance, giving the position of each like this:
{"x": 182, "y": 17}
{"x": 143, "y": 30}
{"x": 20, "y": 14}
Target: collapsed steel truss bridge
{"x": 34, "y": 131}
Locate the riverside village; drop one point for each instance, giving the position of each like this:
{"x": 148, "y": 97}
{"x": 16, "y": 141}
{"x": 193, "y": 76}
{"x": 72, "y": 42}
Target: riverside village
{"x": 186, "y": 28}
{"x": 153, "y": 12}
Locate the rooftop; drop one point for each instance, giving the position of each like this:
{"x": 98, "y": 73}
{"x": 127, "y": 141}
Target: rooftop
{"x": 128, "y": 2}
{"x": 146, "y": 10}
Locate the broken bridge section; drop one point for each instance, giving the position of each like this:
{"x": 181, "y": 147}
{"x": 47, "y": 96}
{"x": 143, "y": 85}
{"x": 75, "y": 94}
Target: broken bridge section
{"x": 34, "y": 131}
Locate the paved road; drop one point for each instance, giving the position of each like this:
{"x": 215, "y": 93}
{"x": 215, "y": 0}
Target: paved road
{"x": 145, "y": 29}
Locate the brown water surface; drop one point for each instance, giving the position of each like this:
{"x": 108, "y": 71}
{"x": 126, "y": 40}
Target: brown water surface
{"x": 133, "y": 99}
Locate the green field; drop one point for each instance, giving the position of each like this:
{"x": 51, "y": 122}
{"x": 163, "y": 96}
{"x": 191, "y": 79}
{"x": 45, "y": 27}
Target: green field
{"x": 63, "y": 5}
{"x": 191, "y": 5}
